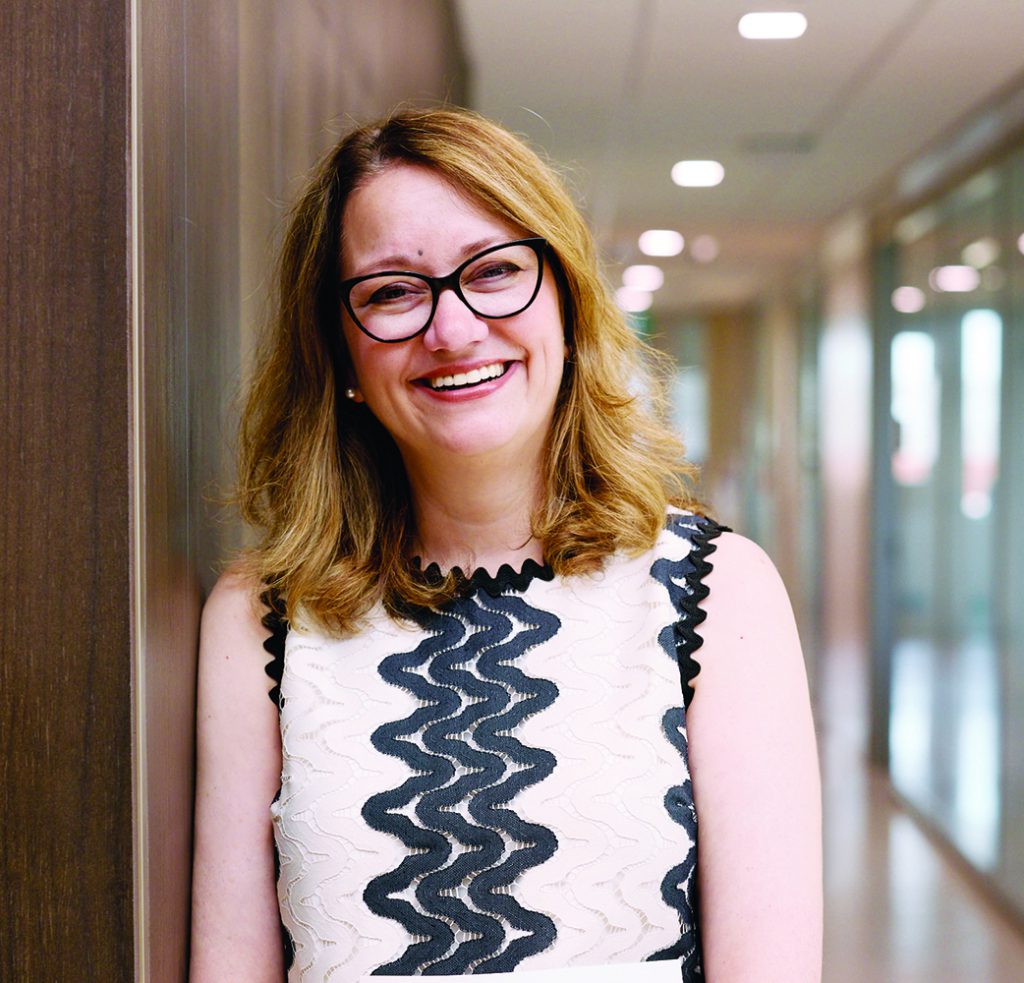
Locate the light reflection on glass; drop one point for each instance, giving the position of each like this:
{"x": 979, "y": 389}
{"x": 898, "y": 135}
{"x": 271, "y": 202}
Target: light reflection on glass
{"x": 981, "y": 253}
{"x": 690, "y": 410}
{"x": 908, "y": 300}
{"x": 915, "y": 406}
{"x": 923, "y": 679}
{"x": 981, "y": 335}
{"x": 954, "y": 279}
{"x": 910, "y": 730}
{"x": 976, "y": 800}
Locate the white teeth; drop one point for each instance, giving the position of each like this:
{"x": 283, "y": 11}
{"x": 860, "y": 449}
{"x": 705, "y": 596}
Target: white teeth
{"x": 470, "y": 378}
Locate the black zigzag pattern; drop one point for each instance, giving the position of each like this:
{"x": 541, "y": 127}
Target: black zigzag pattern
{"x": 683, "y": 579}
{"x": 465, "y": 844}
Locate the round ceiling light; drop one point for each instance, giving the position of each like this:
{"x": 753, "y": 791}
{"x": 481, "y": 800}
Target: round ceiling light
{"x": 697, "y": 173}
{"x": 784, "y": 25}
{"x": 660, "y": 242}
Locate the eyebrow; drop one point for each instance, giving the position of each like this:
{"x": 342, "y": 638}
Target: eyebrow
{"x": 400, "y": 262}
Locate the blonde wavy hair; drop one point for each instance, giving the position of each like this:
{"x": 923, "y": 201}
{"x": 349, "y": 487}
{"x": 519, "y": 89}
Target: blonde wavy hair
{"x": 324, "y": 482}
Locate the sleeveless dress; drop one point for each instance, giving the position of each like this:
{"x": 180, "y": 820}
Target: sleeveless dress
{"x": 499, "y": 784}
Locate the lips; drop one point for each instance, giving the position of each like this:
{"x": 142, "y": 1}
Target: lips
{"x": 465, "y": 380}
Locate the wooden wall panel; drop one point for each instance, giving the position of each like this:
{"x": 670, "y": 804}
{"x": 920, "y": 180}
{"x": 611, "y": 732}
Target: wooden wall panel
{"x": 65, "y": 669}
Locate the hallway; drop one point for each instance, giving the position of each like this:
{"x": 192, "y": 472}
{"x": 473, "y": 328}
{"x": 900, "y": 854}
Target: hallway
{"x": 896, "y": 909}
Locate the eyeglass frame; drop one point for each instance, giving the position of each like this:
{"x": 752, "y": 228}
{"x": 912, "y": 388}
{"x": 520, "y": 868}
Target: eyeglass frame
{"x": 438, "y": 284}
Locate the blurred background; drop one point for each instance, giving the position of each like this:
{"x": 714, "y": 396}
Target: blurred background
{"x": 825, "y": 229}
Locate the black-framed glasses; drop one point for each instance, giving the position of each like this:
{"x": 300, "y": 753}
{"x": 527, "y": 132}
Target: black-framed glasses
{"x": 396, "y": 305}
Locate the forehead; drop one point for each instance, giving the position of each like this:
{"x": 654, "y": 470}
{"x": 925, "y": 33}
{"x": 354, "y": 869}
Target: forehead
{"x": 409, "y": 210}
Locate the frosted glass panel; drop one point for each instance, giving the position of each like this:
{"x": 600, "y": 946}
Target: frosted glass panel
{"x": 953, "y": 464}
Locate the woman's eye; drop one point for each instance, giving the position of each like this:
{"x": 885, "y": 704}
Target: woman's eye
{"x": 493, "y": 273}
{"x": 397, "y": 292}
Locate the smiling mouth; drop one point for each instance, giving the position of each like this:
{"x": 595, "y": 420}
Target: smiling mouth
{"x": 464, "y": 380}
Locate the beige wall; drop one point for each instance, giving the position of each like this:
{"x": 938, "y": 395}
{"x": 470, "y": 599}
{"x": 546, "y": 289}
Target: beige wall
{"x": 732, "y": 372}
{"x": 234, "y": 101}
{"x": 845, "y": 387}
{"x": 845, "y": 399}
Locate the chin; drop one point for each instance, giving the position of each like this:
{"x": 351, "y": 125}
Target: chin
{"x": 474, "y": 442}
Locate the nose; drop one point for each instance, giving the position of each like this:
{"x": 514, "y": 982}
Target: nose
{"x": 454, "y": 325}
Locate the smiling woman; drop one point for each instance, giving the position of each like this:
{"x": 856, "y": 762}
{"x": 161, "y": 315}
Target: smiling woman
{"x": 480, "y": 576}
{"x": 511, "y": 340}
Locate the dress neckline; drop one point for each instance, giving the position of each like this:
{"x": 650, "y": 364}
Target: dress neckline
{"x": 507, "y": 578}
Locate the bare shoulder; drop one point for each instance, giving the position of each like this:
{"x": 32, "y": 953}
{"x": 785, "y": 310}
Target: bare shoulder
{"x": 235, "y": 604}
{"x": 741, "y": 570}
{"x": 234, "y": 688}
{"x": 233, "y": 684}
{"x": 750, "y": 635}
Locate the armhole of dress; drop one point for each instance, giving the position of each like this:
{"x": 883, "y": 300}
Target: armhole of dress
{"x": 703, "y": 533}
{"x": 275, "y": 622}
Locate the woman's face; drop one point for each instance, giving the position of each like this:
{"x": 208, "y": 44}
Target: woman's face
{"x": 410, "y": 218}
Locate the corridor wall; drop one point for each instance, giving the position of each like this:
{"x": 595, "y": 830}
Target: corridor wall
{"x": 949, "y": 474}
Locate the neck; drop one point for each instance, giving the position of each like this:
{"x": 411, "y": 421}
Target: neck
{"x": 476, "y": 516}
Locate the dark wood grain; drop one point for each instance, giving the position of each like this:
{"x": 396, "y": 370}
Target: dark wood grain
{"x": 65, "y": 670}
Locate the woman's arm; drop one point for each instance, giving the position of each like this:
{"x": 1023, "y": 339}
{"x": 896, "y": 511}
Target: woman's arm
{"x": 755, "y": 776}
{"x": 235, "y": 923}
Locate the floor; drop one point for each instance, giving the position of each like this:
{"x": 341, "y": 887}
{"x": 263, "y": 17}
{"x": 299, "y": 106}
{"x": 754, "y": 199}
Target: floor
{"x": 896, "y": 909}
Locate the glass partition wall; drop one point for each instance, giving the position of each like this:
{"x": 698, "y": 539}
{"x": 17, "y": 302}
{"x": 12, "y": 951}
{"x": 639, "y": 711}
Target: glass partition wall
{"x": 952, "y": 479}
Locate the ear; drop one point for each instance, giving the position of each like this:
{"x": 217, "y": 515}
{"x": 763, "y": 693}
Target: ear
{"x": 355, "y": 395}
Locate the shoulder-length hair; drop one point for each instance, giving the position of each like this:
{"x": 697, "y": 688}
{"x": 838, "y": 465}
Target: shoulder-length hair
{"x": 324, "y": 482}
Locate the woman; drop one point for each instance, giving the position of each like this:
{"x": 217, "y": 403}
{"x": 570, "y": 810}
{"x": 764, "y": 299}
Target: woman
{"x": 486, "y": 772}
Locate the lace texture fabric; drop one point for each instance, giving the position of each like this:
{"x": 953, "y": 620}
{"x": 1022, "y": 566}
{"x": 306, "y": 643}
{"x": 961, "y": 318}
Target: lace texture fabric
{"x": 500, "y": 784}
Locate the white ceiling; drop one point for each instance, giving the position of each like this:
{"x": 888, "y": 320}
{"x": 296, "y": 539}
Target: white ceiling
{"x": 618, "y": 90}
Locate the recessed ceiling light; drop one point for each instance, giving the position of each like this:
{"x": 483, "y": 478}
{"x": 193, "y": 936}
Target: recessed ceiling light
{"x": 1020, "y": 244}
{"x": 704, "y": 249}
{"x": 642, "y": 277}
{"x": 697, "y": 173}
{"x": 954, "y": 279}
{"x": 660, "y": 242}
{"x": 633, "y": 301}
{"x": 908, "y": 300}
{"x": 773, "y": 25}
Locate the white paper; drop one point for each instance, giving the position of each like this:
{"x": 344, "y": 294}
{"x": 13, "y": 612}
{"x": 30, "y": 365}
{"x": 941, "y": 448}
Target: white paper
{"x": 663, "y": 971}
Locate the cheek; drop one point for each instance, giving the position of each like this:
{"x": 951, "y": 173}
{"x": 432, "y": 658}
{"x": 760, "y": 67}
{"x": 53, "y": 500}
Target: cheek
{"x": 355, "y": 354}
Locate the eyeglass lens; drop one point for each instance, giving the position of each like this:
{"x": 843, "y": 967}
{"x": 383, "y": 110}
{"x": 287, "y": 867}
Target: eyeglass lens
{"x": 496, "y": 283}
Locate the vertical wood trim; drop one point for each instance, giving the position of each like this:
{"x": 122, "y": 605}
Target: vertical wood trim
{"x": 65, "y": 671}
{"x": 140, "y": 799}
